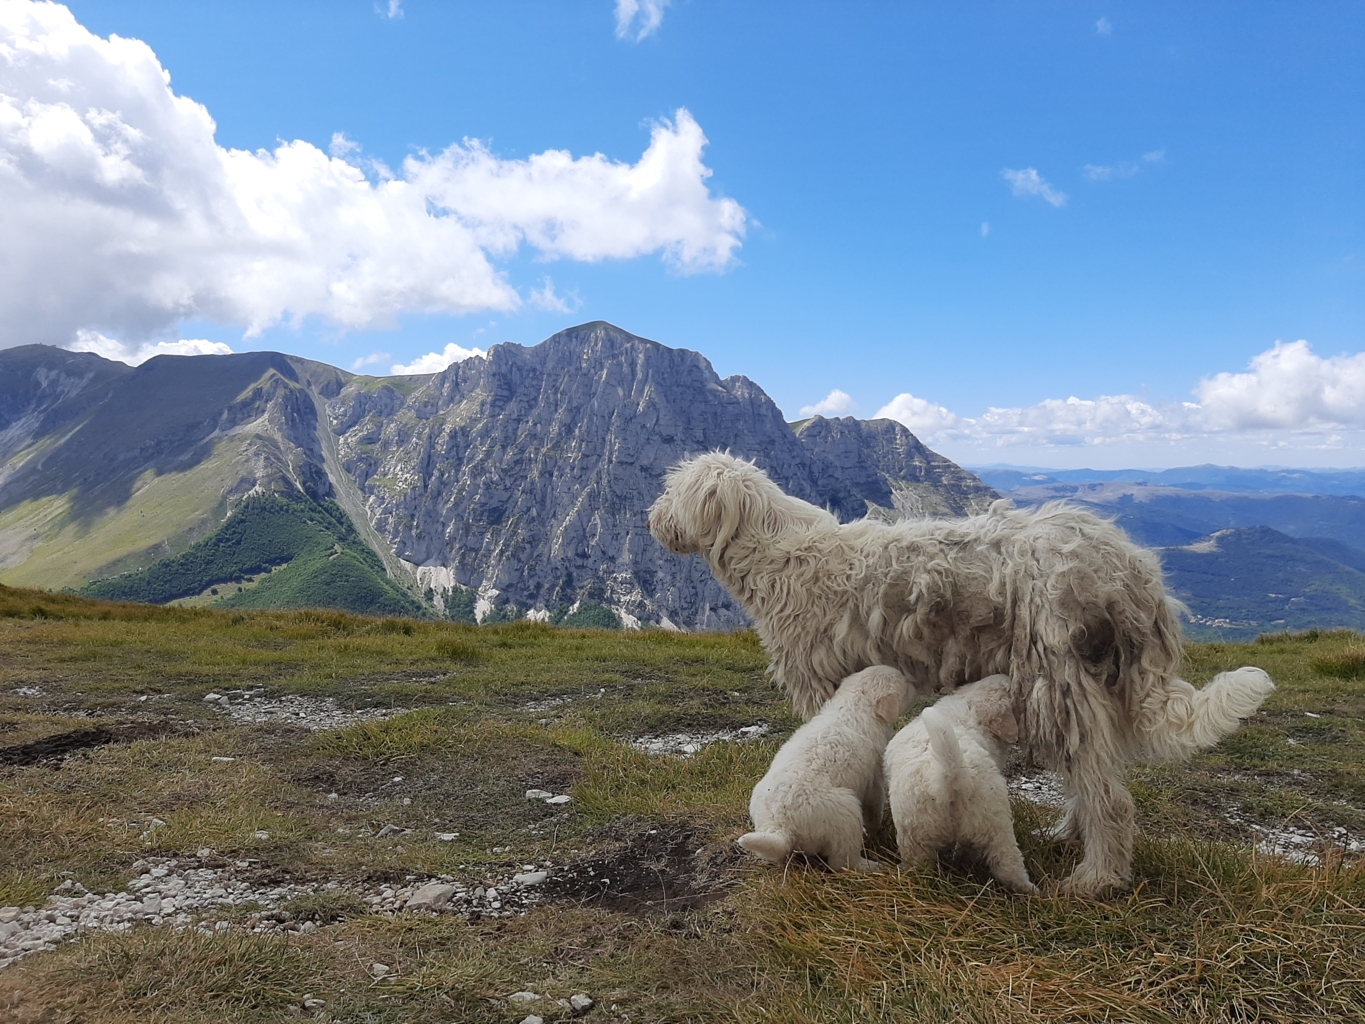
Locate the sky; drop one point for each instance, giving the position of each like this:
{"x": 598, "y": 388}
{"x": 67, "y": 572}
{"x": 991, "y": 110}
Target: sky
{"x": 1045, "y": 234}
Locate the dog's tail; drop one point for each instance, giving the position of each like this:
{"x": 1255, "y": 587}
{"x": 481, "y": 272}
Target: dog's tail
{"x": 1183, "y": 721}
{"x": 773, "y": 846}
{"x": 943, "y": 743}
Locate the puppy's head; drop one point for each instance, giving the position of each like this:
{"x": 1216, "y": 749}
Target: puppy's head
{"x": 710, "y": 500}
{"x": 989, "y": 700}
{"x": 884, "y": 688}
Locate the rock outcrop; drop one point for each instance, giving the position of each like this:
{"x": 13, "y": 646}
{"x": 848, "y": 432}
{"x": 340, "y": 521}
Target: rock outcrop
{"x": 527, "y": 475}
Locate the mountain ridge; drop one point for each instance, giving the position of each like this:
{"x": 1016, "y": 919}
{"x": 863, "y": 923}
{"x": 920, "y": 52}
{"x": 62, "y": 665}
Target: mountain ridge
{"x": 517, "y": 480}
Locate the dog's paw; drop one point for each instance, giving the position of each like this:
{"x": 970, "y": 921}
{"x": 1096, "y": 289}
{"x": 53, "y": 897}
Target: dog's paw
{"x": 1092, "y": 885}
{"x": 868, "y": 865}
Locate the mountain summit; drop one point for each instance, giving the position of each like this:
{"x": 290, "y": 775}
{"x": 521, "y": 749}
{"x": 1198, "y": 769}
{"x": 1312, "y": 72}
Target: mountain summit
{"x": 516, "y": 480}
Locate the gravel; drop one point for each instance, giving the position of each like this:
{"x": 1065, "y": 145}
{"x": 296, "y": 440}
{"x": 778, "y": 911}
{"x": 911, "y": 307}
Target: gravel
{"x": 315, "y": 713}
{"x": 685, "y": 744}
{"x": 213, "y": 896}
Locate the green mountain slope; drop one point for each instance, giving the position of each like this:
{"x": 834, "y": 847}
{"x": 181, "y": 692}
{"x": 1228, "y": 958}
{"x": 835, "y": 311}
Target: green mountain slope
{"x": 1239, "y": 583}
{"x": 312, "y": 554}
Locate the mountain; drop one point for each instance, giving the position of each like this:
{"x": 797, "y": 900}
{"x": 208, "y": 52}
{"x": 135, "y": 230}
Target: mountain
{"x": 1242, "y": 582}
{"x": 1226, "y": 479}
{"x": 509, "y": 484}
{"x": 1244, "y": 560}
{"x": 527, "y": 475}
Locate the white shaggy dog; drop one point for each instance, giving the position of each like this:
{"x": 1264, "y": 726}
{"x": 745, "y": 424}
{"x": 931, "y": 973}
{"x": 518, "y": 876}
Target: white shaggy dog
{"x": 1058, "y": 599}
{"x": 826, "y": 783}
{"x": 945, "y": 777}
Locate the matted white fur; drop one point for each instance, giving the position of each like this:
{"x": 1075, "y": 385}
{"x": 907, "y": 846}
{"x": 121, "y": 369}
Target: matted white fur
{"x": 1058, "y": 599}
{"x": 825, "y": 783}
{"x": 945, "y": 777}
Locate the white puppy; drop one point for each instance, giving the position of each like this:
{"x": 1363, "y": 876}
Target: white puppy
{"x": 945, "y": 775}
{"x": 826, "y": 782}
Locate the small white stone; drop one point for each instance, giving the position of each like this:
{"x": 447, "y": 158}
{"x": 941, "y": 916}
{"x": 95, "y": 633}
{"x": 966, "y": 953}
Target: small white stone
{"x": 538, "y": 794}
{"x": 432, "y": 896}
{"x": 523, "y": 997}
{"x": 223, "y": 760}
{"x": 530, "y": 877}
{"x": 531, "y": 1018}
{"x": 212, "y": 697}
{"x": 314, "y": 1004}
{"x": 260, "y": 833}
{"x": 378, "y": 970}
{"x": 560, "y": 800}
{"x": 581, "y": 1003}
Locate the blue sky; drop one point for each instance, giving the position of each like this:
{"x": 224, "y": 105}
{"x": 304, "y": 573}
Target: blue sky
{"x": 938, "y": 210}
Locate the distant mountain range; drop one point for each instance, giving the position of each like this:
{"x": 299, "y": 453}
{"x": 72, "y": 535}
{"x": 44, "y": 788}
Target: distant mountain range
{"x": 508, "y": 485}
{"x": 1249, "y": 550}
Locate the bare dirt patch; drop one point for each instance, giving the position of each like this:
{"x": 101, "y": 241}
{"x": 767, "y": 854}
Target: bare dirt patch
{"x": 654, "y": 870}
{"x": 63, "y": 744}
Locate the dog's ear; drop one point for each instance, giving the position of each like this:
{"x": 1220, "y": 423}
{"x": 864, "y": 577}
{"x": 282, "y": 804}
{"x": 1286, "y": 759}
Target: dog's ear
{"x": 997, "y": 718}
{"x": 888, "y": 708}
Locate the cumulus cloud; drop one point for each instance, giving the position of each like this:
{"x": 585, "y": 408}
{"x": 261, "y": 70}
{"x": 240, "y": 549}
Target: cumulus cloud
{"x": 435, "y": 362}
{"x": 921, "y": 416}
{"x": 134, "y": 355}
{"x": 836, "y": 403}
{"x": 123, "y": 214}
{"x": 1029, "y": 182}
{"x": 1288, "y": 389}
{"x": 638, "y": 19}
{"x": 394, "y": 9}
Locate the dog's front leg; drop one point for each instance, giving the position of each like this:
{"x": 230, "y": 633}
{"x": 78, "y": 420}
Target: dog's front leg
{"x": 874, "y": 802}
{"x": 1103, "y": 814}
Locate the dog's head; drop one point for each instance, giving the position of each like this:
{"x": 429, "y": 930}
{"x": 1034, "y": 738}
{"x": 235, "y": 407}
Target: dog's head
{"x": 886, "y": 689}
{"x": 989, "y": 700}
{"x": 710, "y": 500}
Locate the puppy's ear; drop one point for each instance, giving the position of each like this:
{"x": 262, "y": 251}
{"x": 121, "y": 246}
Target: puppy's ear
{"x": 998, "y": 720}
{"x": 888, "y": 708}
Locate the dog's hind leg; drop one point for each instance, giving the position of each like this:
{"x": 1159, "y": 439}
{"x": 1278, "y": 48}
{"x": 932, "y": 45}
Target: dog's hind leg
{"x": 843, "y": 841}
{"x": 1006, "y": 864}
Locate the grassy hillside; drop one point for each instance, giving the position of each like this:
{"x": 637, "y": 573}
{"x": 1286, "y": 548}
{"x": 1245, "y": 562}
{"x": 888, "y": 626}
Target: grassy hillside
{"x": 310, "y": 551}
{"x": 686, "y": 929}
{"x": 1243, "y": 582}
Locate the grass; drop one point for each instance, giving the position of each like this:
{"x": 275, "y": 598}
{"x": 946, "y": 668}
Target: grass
{"x": 1212, "y": 931}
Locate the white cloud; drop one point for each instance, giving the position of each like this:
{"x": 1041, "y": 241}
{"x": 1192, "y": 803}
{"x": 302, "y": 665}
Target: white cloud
{"x": 393, "y": 10}
{"x": 985, "y": 228}
{"x": 1124, "y": 168}
{"x": 373, "y": 359}
{"x": 435, "y": 362}
{"x": 638, "y": 19}
{"x": 123, "y": 215}
{"x": 109, "y": 348}
{"x": 545, "y": 298}
{"x": 1029, "y": 182}
{"x": 1103, "y": 27}
{"x": 1107, "y": 172}
{"x": 1289, "y": 396}
{"x": 836, "y": 403}
{"x": 1288, "y": 387}
{"x": 922, "y": 417}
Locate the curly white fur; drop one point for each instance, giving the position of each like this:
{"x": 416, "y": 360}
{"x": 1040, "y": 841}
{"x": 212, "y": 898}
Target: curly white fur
{"x": 1057, "y": 599}
{"x": 826, "y": 783}
{"x": 945, "y": 777}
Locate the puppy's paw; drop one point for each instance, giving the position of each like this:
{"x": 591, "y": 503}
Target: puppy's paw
{"x": 868, "y": 865}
